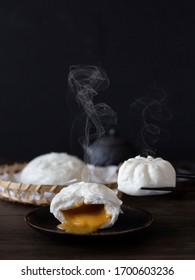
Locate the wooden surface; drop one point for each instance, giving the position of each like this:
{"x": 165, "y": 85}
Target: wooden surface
{"x": 171, "y": 236}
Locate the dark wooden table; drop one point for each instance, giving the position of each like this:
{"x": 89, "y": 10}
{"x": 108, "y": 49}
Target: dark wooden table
{"x": 171, "y": 235}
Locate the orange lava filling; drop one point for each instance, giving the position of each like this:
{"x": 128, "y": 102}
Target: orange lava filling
{"x": 84, "y": 219}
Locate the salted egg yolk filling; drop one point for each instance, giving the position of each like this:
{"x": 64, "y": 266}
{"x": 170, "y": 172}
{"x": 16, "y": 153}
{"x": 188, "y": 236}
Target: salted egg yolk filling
{"x": 84, "y": 219}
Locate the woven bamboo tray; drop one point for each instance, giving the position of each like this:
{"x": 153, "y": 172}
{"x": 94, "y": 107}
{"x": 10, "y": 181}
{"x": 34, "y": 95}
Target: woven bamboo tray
{"x": 27, "y": 193}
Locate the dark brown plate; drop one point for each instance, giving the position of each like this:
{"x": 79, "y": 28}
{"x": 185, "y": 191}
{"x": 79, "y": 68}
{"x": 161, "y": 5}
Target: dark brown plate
{"x": 130, "y": 221}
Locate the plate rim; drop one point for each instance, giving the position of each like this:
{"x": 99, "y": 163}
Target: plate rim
{"x": 43, "y": 230}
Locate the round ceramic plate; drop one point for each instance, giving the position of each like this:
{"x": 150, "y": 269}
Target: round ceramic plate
{"x": 129, "y": 221}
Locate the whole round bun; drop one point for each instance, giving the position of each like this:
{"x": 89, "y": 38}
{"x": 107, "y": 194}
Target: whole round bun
{"x": 52, "y": 169}
{"x": 139, "y": 172}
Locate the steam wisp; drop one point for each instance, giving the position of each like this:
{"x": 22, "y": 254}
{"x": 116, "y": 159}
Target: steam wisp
{"x": 85, "y": 82}
{"x": 153, "y": 111}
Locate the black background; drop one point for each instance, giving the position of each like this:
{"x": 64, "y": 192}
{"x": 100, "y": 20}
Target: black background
{"x": 144, "y": 47}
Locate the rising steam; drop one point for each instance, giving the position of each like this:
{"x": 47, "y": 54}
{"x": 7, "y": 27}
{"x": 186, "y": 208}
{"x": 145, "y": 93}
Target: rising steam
{"x": 85, "y": 82}
{"x": 152, "y": 110}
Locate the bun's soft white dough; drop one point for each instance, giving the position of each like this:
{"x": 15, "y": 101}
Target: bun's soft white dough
{"x": 139, "y": 172}
{"x": 86, "y": 193}
{"x": 52, "y": 169}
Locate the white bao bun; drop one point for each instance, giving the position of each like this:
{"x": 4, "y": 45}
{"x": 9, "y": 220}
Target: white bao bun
{"x": 52, "y": 169}
{"x": 87, "y": 193}
{"x": 139, "y": 172}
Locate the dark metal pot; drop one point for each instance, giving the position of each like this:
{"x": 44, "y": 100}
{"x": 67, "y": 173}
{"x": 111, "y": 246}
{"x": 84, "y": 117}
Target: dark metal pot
{"x": 109, "y": 150}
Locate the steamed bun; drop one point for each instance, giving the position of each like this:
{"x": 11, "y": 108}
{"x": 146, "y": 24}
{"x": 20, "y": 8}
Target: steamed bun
{"x": 52, "y": 169}
{"x": 85, "y": 207}
{"x": 139, "y": 172}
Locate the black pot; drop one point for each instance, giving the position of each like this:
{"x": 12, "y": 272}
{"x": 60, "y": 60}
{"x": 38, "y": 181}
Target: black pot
{"x": 109, "y": 150}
